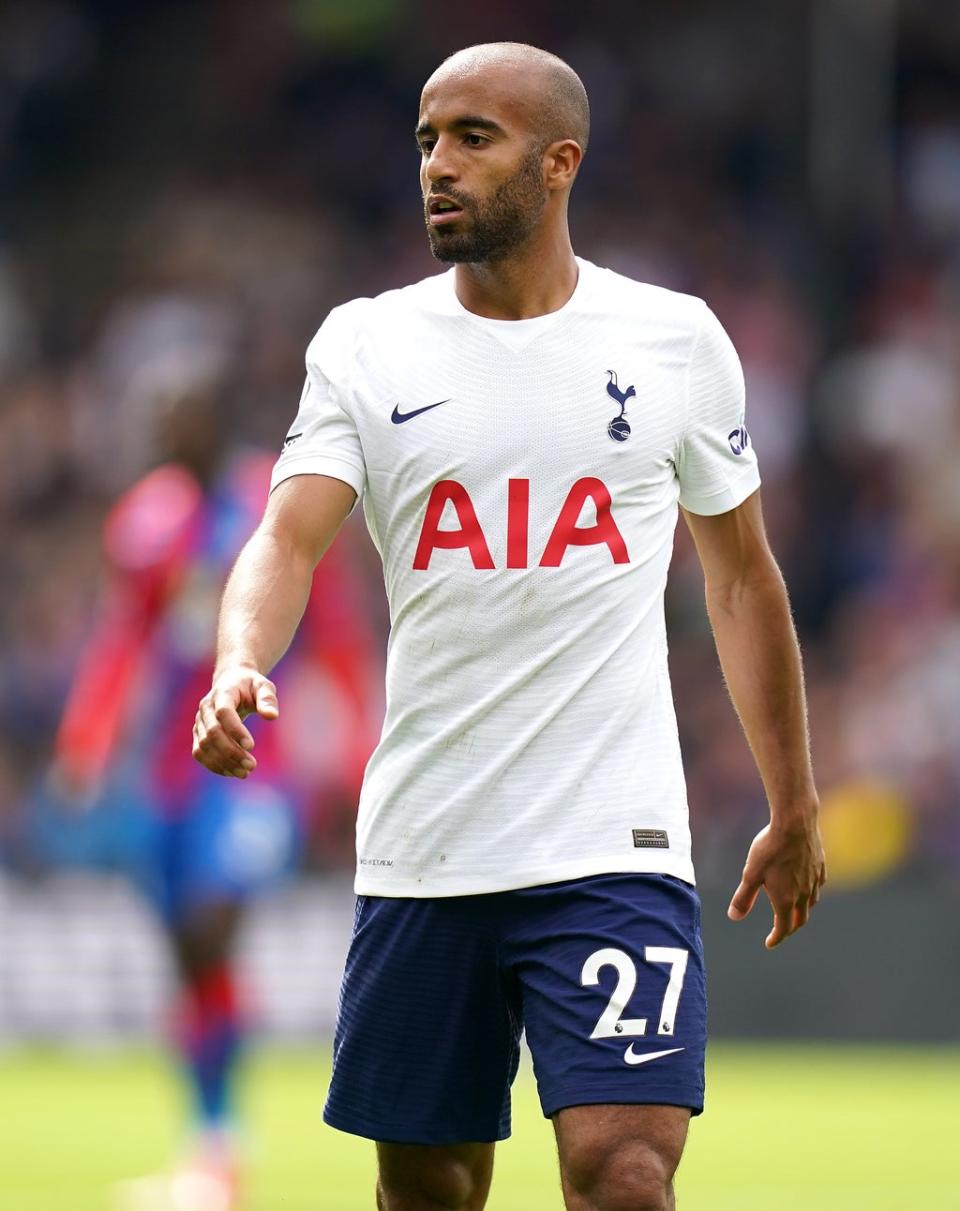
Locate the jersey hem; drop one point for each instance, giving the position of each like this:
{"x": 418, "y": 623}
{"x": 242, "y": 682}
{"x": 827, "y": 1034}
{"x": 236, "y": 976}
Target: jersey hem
{"x": 422, "y": 889}
{"x": 319, "y": 464}
{"x": 427, "y": 1134}
{"x": 659, "y": 1093}
{"x": 729, "y": 497}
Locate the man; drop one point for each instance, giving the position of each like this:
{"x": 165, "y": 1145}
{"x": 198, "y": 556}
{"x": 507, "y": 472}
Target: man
{"x": 203, "y": 848}
{"x": 521, "y": 430}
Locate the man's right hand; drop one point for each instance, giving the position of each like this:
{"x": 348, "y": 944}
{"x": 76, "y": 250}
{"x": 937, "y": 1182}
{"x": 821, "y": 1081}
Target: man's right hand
{"x": 220, "y": 740}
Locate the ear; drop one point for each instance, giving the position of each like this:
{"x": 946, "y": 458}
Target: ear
{"x": 560, "y": 163}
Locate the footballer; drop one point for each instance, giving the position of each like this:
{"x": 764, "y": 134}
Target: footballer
{"x": 522, "y": 431}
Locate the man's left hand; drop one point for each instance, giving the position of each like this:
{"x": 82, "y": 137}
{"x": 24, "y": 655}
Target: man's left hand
{"x": 788, "y": 863}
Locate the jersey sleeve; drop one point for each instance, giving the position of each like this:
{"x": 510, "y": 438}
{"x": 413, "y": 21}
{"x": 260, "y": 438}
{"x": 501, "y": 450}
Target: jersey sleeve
{"x": 716, "y": 462}
{"x": 323, "y": 439}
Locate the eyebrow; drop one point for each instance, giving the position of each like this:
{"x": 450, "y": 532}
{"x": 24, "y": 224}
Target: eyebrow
{"x": 467, "y": 121}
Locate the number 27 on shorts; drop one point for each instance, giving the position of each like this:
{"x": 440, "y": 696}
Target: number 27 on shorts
{"x": 611, "y": 1024}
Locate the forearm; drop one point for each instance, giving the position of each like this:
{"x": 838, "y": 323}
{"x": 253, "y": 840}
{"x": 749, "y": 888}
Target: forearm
{"x": 760, "y": 657}
{"x": 263, "y": 602}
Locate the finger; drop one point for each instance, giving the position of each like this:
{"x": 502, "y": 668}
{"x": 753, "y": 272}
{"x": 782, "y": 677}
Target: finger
{"x": 217, "y": 751}
{"x": 267, "y": 704}
{"x": 204, "y": 751}
{"x": 801, "y": 913}
{"x": 782, "y": 925}
{"x": 199, "y": 738}
{"x": 229, "y": 719}
{"x": 744, "y": 898}
{"x": 226, "y": 731}
{"x": 202, "y": 748}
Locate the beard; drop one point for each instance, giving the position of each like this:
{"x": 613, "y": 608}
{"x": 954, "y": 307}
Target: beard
{"x": 497, "y": 225}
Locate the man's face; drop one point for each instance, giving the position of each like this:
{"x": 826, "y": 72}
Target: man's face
{"x": 481, "y": 171}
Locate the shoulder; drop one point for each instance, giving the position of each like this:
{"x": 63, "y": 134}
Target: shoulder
{"x": 644, "y": 302}
{"x": 342, "y": 324}
{"x": 432, "y": 295}
{"x": 360, "y": 317}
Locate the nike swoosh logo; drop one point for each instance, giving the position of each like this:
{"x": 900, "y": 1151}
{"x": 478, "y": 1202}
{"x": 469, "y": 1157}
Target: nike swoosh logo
{"x": 399, "y": 417}
{"x": 632, "y": 1058}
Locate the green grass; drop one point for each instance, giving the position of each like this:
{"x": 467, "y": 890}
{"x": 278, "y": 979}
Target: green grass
{"x": 831, "y": 1128}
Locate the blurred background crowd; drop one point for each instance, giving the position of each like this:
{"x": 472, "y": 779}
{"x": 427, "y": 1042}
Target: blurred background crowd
{"x": 198, "y": 183}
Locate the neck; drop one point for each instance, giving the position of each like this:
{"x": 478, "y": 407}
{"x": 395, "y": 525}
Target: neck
{"x": 535, "y": 280}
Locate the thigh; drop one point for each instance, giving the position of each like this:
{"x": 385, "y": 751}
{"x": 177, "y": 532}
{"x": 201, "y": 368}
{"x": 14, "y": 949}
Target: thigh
{"x": 456, "y": 1176}
{"x": 427, "y": 1037}
{"x": 619, "y": 1155}
{"x": 614, "y": 1000}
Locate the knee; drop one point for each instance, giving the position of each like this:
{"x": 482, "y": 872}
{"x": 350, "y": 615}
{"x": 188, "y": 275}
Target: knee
{"x": 631, "y": 1176}
{"x": 445, "y": 1184}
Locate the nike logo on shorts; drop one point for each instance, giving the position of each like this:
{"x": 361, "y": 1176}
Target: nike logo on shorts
{"x": 631, "y": 1057}
{"x": 399, "y": 417}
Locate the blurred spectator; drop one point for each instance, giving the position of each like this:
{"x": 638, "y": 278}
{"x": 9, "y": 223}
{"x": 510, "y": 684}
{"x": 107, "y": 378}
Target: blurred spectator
{"x": 123, "y": 790}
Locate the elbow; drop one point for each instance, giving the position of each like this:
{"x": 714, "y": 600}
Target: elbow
{"x": 745, "y": 592}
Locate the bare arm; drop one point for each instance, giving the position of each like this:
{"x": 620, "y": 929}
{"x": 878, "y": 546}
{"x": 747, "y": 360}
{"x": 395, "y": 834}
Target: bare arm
{"x": 757, "y": 645}
{"x": 262, "y": 605}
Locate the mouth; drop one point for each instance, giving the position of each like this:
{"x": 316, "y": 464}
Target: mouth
{"x": 442, "y": 210}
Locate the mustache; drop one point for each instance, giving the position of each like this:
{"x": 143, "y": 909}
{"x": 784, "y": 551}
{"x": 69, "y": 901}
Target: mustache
{"x": 460, "y": 199}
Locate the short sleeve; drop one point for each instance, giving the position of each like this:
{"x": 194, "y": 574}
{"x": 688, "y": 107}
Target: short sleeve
{"x": 716, "y": 462}
{"x": 323, "y": 439}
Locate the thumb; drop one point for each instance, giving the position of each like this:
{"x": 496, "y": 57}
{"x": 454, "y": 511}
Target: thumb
{"x": 267, "y": 704}
{"x": 744, "y": 898}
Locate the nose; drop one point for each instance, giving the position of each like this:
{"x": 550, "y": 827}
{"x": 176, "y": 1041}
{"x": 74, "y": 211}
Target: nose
{"x": 439, "y": 165}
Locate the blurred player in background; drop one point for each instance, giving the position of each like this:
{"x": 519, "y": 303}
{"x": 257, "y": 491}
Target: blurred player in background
{"x": 207, "y": 847}
{"x": 522, "y": 430}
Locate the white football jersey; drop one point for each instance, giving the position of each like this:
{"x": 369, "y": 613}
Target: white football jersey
{"x": 521, "y": 481}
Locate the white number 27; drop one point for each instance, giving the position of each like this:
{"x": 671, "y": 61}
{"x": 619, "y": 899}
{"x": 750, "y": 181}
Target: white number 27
{"x": 610, "y": 1024}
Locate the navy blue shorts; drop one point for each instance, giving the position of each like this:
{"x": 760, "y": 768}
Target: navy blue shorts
{"x": 604, "y": 973}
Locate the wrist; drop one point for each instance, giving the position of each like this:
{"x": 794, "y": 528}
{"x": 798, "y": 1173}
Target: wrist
{"x": 795, "y": 815}
{"x": 233, "y": 665}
